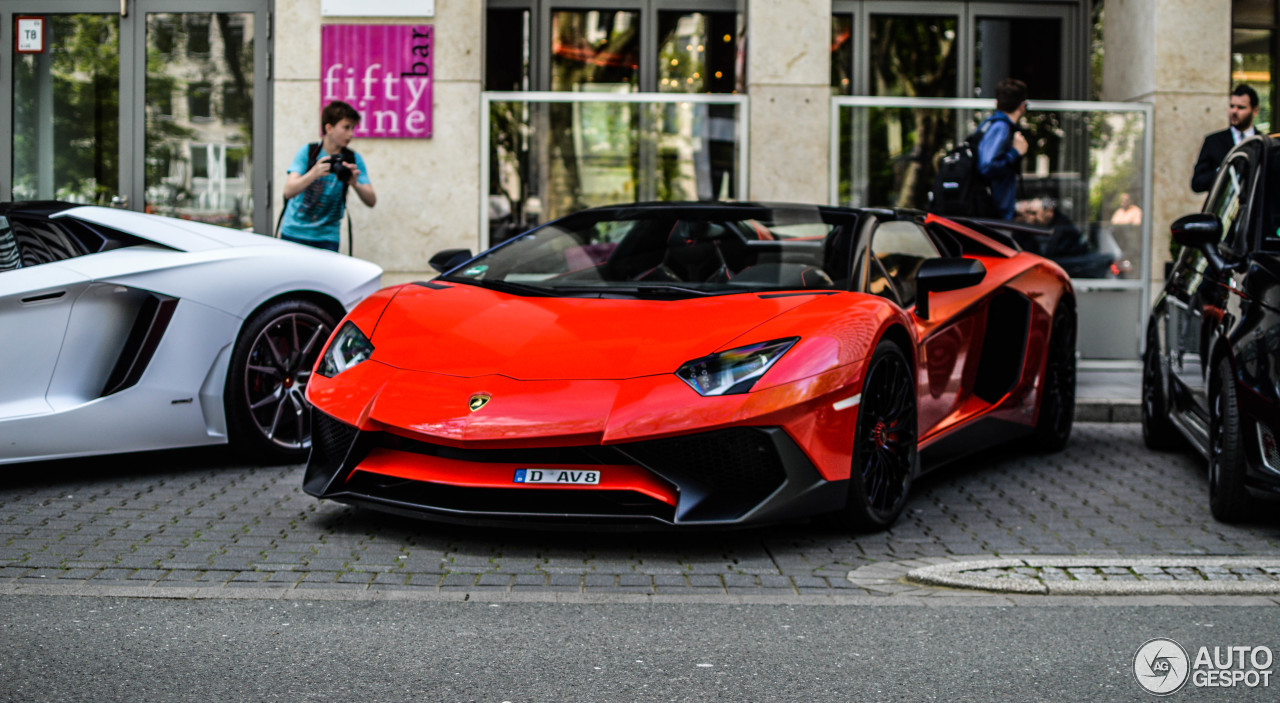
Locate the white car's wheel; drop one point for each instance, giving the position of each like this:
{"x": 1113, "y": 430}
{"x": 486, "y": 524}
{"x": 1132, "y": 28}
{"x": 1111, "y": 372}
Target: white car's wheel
{"x": 267, "y": 412}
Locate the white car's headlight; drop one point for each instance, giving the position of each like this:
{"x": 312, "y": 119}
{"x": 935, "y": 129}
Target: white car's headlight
{"x": 349, "y": 347}
{"x": 735, "y": 370}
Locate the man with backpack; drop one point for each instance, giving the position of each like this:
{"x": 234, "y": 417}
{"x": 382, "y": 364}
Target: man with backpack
{"x": 979, "y": 177}
{"x": 315, "y": 192}
{"x": 1002, "y": 147}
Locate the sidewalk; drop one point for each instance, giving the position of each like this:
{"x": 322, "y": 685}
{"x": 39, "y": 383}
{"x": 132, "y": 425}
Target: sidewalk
{"x": 1109, "y": 394}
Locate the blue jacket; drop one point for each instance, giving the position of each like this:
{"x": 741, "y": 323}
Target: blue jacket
{"x": 998, "y": 162}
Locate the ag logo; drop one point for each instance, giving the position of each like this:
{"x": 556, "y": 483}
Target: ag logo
{"x": 1161, "y": 666}
{"x": 479, "y": 400}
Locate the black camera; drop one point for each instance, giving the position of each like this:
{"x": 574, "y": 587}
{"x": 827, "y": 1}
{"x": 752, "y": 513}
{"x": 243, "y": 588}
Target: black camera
{"x": 339, "y": 168}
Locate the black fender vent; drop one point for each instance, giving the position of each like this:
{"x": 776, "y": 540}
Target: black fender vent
{"x": 148, "y": 329}
{"x": 1004, "y": 345}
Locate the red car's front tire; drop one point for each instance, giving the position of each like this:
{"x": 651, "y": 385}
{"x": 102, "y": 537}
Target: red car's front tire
{"x": 884, "y": 446}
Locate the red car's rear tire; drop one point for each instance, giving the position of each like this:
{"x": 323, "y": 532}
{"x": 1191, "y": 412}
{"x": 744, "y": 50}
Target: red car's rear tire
{"x": 1058, "y": 391}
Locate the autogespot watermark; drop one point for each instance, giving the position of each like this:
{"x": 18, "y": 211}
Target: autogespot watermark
{"x": 1162, "y": 667}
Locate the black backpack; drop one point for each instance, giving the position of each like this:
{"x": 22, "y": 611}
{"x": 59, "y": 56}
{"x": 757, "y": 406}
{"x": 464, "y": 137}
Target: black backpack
{"x": 958, "y": 187}
{"x": 349, "y": 157}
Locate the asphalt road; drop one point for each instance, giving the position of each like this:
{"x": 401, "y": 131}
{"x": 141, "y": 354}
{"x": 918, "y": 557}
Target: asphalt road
{"x": 100, "y": 649}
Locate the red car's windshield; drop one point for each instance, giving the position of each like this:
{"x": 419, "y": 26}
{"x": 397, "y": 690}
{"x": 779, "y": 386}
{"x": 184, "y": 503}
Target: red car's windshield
{"x": 686, "y": 252}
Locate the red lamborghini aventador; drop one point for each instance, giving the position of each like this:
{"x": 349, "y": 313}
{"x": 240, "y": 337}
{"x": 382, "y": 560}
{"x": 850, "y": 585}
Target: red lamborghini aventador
{"x": 695, "y": 364}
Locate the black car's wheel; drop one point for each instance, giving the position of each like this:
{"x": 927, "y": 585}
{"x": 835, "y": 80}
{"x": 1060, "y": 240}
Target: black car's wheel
{"x": 267, "y": 413}
{"x": 1228, "y": 499}
{"x": 884, "y": 446}
{"x": 1058, "y": 392}
{"x": 1157, "y": 431}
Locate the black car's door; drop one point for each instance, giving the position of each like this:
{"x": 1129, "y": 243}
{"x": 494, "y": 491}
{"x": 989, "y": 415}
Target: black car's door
{"x": 1198, "y": 294}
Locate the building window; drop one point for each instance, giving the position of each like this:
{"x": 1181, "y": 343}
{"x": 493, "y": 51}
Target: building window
{"x": 235, "y": 162}
{"x": 697, "y": 52}
{"x": 584, "y": 46}
{"x": 198, "y": 42}
{"x": 595, "y": 47}
{"x": 1026, "y": 48}
{"x": 842, "y": 54}
{"x": 914, "y": 55}
{"x": 1254, "y": 31}
{"x": 507, "y": 65}
{"x": 199, "y": 160}
{"x": 200, "y": 101}
{"x": 163, "y": 33}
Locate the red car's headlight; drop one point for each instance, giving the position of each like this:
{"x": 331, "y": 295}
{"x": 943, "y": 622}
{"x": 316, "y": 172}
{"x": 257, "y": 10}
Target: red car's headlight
{"x": 735, "y": 370}
{"x": 349, "y": 347}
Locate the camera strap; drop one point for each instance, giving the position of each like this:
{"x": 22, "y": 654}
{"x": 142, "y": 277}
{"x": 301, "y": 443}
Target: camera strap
{"x": 313, "y": 153}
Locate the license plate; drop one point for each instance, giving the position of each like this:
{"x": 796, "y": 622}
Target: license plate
{"x": 563, "y": 477}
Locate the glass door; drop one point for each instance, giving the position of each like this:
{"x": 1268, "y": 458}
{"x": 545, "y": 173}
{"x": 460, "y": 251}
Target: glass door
{"x": 200, "y": 88}
{"x": 63, "y": 95}
{"x": 150, "y": 105}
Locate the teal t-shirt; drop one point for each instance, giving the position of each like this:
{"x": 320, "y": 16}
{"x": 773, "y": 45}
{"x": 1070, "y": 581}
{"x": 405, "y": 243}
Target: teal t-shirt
{"x": 315, "y": 214}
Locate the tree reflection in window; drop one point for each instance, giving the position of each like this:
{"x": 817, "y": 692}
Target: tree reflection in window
{"x": 594, "y": 47}
{"x": 81, "y": 71}
{"x": 911, "y": 56}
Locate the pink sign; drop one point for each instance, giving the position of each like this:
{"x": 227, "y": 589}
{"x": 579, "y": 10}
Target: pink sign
{"x": 384, "y": 72}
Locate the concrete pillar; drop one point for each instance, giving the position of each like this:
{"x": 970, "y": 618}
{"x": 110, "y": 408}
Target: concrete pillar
{"x": 1175, "y": 54}
{"x": 428, "y": 189}
{"x": 788, "y": 79}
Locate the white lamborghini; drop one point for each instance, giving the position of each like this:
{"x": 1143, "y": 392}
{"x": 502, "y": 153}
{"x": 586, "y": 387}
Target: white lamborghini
{"x": 125, "y": 332}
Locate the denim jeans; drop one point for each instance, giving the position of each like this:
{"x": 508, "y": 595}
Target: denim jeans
{"x": 331, "y": 246}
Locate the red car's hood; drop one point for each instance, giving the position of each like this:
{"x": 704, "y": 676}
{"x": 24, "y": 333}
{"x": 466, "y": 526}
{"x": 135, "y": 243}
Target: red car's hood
{"x": 464, "y": 330}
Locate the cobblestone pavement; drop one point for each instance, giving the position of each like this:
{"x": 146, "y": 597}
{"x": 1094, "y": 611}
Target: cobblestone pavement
{"x": 199, "y": 519}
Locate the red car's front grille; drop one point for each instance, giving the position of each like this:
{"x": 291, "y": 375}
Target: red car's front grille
{"x": 718, "y": 476}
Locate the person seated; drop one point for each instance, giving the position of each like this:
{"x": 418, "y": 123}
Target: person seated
{"x": 1066, "y": 239}
{"x": 1127, "y": 213}
{"x": 1022, "y": 211}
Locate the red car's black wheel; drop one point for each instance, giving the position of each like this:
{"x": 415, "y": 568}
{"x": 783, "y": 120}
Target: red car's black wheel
{"x": 1228, "y": 499}
{"x": 1058, "y": 392}
{"x": 1157, "y": 431}
{"x": 884, "y": 446}
{"x": 267, "y": 413}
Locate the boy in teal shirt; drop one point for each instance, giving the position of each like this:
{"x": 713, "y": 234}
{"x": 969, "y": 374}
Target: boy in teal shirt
{"x": 315, "y": 195}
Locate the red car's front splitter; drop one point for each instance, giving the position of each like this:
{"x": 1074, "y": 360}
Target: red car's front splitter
{"x": 727, "y": 477}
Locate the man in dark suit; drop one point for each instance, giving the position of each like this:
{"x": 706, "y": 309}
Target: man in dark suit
{"x": 1243, "y": 108}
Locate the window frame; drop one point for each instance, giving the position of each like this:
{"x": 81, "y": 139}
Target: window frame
{"x": 1274, "y": 28}
{"x": 647, "y": 74}
{"x": 1242, "y": 196}
{"x": 905, "y": 302}
{"x": 1075, "y": 19}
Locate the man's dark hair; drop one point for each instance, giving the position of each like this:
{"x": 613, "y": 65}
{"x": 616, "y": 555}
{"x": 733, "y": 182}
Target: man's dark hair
{"x": 336, "y": 112}
{"x": 1243, "y": 89}
{"x": 1010, "y": 93}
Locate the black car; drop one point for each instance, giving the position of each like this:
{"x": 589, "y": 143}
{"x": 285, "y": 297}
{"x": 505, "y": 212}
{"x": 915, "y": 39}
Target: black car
{"x": 1211, "y": 369}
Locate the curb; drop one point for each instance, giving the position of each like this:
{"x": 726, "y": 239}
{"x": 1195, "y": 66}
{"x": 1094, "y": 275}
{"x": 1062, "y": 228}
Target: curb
{"x": 919, "y": 597}
{"x": 928, "y": 577}
{"x": 1108, "y": 410}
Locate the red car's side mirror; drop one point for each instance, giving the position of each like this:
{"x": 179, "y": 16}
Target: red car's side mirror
{"x": 945, "y": 274}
